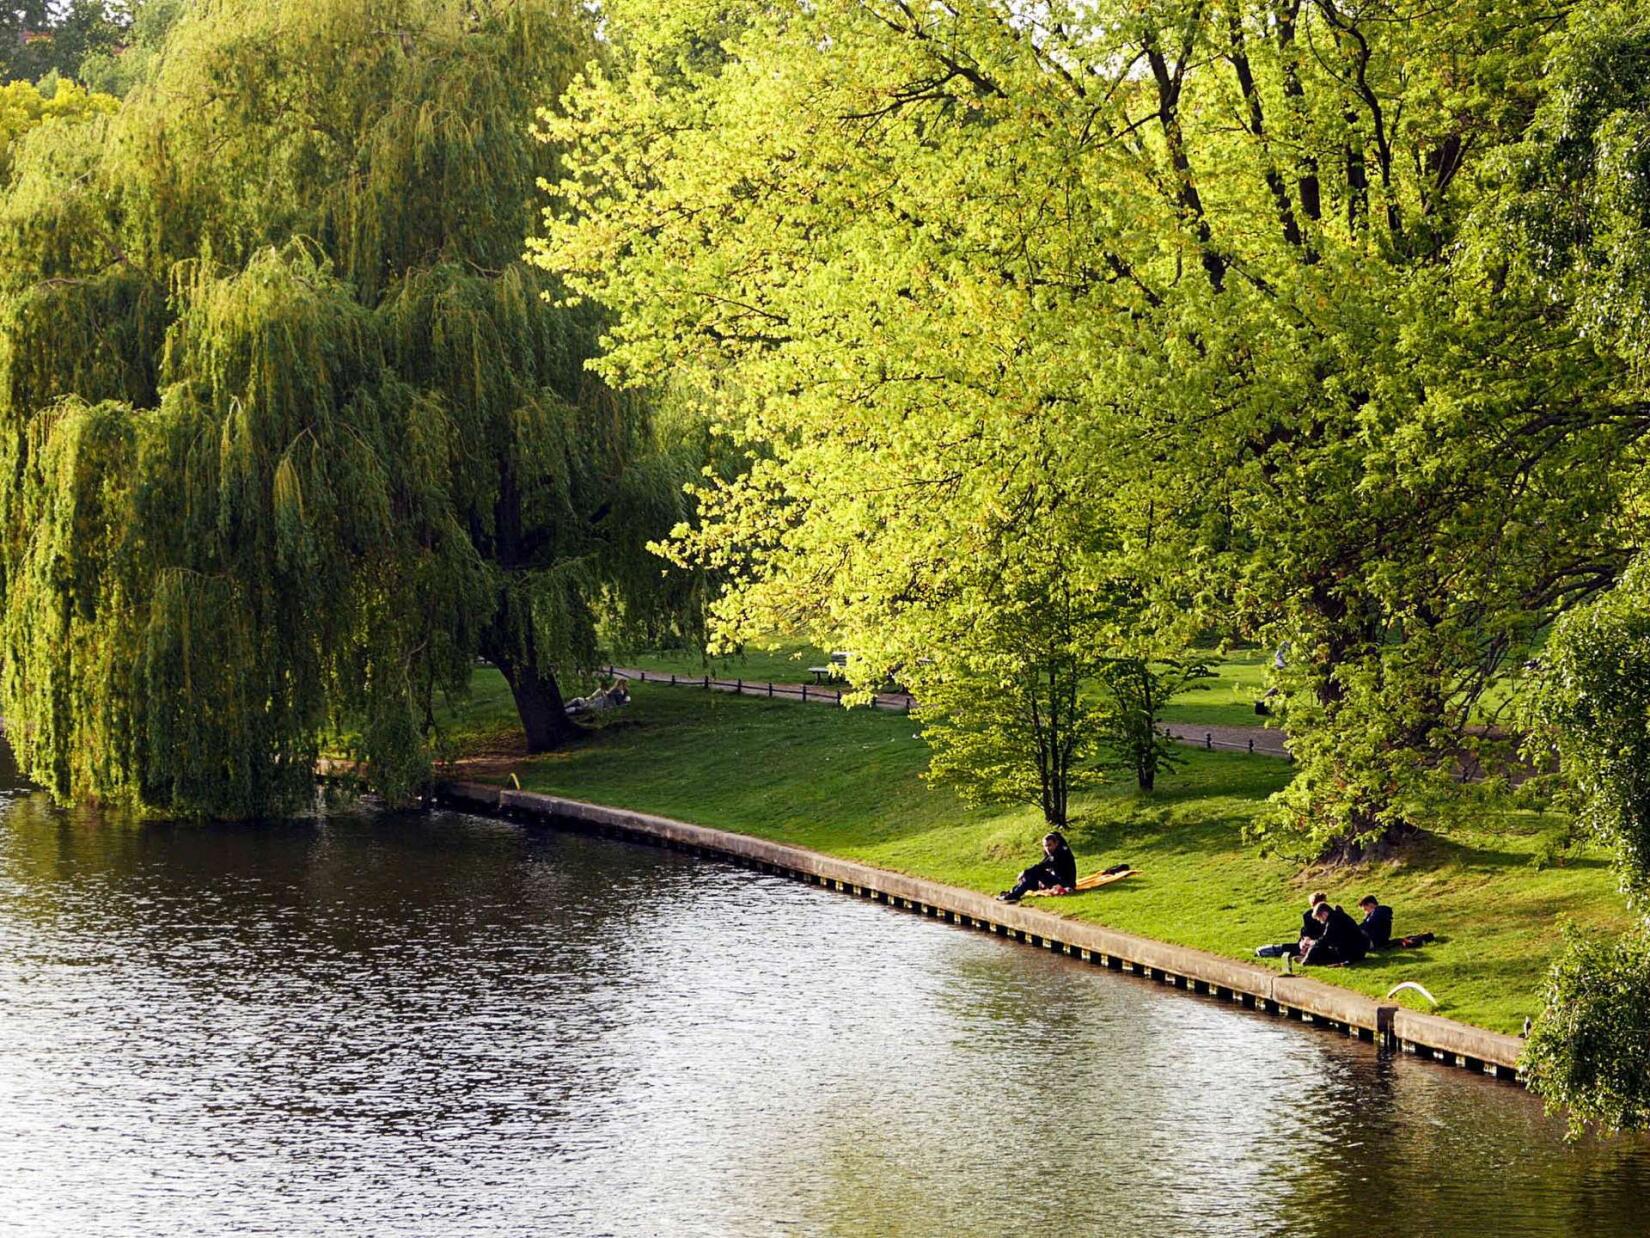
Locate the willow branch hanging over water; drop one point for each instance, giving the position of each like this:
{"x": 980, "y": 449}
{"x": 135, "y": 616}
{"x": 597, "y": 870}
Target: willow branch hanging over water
{"x": 290, "y": 433}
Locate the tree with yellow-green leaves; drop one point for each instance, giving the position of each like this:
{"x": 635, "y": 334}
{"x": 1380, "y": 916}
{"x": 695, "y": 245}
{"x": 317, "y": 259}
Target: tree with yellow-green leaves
{"x": 288, "y": 432}
{"x": 1181, "y": 289}
{"x": 23, "y": 107}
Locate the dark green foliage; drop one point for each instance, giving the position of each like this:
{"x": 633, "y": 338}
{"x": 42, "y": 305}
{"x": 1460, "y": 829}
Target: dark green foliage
{"x": 289, "y": 433}
{"x": 116, "y": 69}
{"x": 42, "y": 37}
{"x": 1589, "y": 1052}
{"x": 1598, "y": 703}
{"x": 1590, "y": 1049}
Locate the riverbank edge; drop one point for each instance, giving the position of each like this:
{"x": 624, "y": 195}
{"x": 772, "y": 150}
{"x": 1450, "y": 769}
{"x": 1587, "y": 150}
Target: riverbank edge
{"x": 1247, "y": 984}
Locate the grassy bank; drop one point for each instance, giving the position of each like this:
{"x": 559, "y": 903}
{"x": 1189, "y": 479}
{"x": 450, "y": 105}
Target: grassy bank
{"x": 849, "y": 783}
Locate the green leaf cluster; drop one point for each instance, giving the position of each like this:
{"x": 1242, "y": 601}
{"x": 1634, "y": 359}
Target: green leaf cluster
{"x": 23, "y": 106}
{"x": 288, "y": 433}
{"x": 1589, "y": 1053}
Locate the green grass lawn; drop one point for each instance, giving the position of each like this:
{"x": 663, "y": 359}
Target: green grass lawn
{"x": 1229, "y": 698}
{"x": 788, "y": 663}
{"x": 848, "y": 783}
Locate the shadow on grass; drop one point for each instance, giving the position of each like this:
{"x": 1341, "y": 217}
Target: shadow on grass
{"x": 1437, "y": 851}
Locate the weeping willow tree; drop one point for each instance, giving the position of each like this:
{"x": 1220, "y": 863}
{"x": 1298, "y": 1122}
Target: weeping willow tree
{"x": 289, "y": 434}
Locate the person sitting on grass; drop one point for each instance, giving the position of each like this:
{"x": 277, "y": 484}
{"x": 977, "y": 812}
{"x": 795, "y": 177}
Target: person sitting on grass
{"x": 1340, "y": 943}
{"x": 1311, "y": 930}
{"x": 1377, "y": 925}
{"x": 1056, "y": 872}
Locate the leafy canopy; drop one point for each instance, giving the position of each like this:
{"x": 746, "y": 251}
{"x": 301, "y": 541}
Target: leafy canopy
{"x": 1185, "y": 280}
{"x": 288, "y": 435}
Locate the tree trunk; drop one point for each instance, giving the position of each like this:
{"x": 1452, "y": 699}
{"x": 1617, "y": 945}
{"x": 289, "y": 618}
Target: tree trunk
{"x": 538, "y": 701}
{"x": 1145, "y": 770}
{"x": 1376, "y": 845}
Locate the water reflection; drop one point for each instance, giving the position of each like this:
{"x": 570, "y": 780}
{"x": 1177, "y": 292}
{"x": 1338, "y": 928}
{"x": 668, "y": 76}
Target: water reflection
{"x": 391, "y": 1025}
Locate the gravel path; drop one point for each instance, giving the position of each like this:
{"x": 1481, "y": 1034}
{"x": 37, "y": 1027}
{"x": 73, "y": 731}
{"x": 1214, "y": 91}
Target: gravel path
{"x": 1260, "y": 740}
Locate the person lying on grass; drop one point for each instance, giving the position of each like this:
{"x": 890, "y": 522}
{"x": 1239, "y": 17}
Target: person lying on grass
{"x": 1341, "y": 941}
{"x": 615, "y": 696}
{"x": 1057, "y": 873}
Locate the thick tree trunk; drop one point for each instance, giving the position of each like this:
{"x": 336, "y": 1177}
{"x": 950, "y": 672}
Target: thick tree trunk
{"x": 538, "y": 701}
{"x": 1376, "y": 845}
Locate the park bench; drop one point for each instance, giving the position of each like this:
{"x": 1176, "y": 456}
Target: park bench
{"x": 835, "y": 670}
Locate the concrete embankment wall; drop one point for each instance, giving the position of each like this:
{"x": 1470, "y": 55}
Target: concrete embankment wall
{"x": 1249, "y": 984}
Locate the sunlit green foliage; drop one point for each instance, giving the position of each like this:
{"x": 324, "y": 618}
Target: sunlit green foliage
{"x": 1573, "y": 220}
{"x": 288, "y": 432}
{"x": 1192, "y": 270}
{"x": 1575, "y": 211}
{"x": 23, "y": 106}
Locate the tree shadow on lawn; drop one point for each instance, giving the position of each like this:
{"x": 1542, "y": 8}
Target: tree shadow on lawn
{"x": 1442, "y": 850}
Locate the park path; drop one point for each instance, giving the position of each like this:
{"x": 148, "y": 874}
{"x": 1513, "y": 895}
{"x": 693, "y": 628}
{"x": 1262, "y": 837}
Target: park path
{"x": 898, "y": 702}
{"x": 1257, "y": 740}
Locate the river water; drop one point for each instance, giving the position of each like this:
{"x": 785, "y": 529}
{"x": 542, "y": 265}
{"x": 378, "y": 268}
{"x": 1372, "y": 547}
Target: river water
{"x": 442, "y": 1025}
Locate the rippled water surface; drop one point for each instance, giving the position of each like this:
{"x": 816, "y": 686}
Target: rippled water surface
{"x": 443, "y": 1025}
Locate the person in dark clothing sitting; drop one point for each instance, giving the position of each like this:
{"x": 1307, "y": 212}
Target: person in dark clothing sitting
{"x": 1058, "y": 870}
{"x": 1377, "y": 925}
{"x": 1311, "y": 930}
{"x": 1341, "y": 941}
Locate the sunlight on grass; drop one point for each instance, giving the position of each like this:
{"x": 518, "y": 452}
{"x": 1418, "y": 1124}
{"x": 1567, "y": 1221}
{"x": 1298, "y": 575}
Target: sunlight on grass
{"x": 849, "y": 783}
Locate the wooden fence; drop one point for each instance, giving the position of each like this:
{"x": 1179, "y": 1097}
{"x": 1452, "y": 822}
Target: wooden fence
{"x": 899, "y": 702}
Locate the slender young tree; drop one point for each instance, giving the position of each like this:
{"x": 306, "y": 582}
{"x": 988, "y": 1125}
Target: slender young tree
{"x": 289, "y": 433}
{"x": 1135, "y": 692}
{"x": 1005, "y": 704}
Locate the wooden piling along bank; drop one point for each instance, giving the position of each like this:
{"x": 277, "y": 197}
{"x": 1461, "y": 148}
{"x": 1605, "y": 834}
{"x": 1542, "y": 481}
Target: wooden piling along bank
{"x": 1249, "y": 984}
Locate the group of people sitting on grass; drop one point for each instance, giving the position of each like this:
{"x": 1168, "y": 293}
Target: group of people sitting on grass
{"x": 1329, "y": 937}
